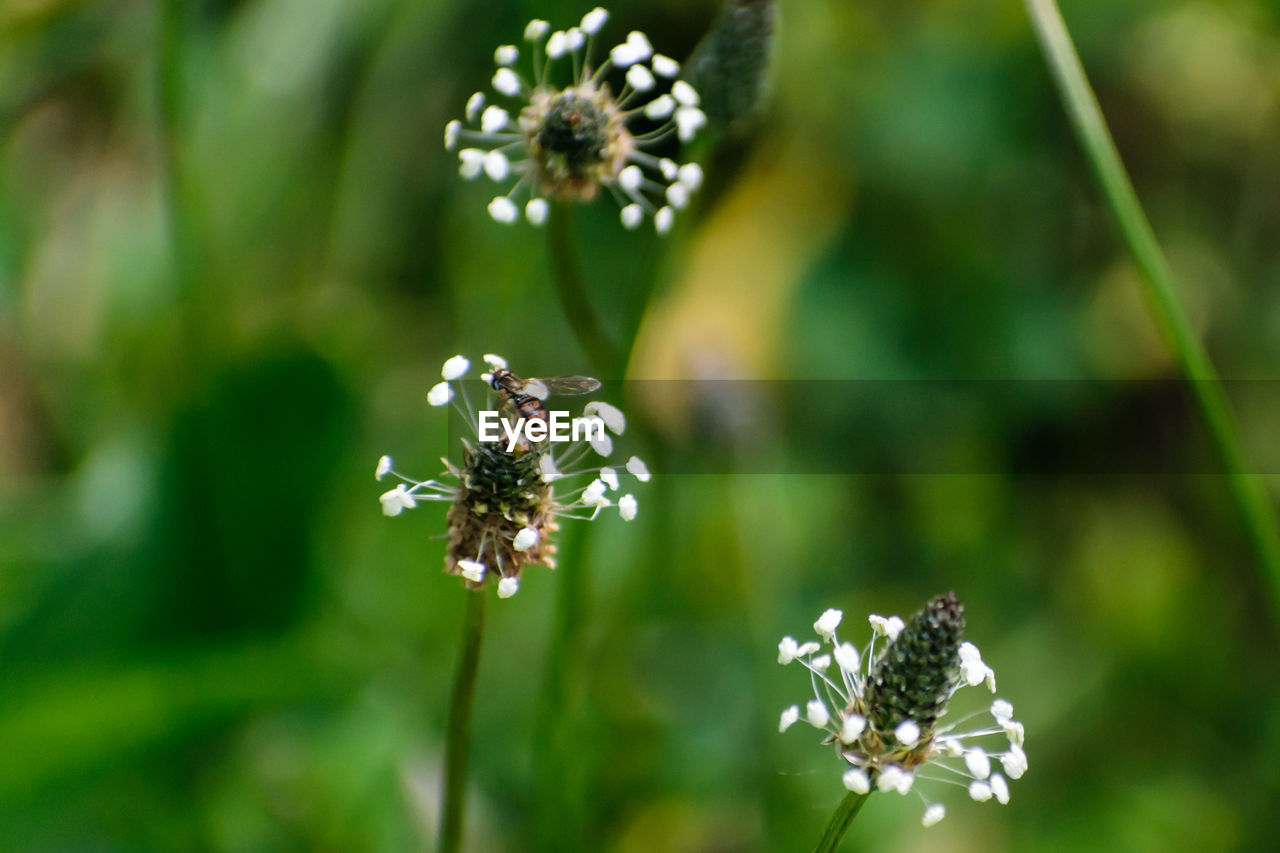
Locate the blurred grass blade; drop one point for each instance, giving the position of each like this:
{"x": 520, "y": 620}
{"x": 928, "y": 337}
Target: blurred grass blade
{"x": 1100, "y": 149}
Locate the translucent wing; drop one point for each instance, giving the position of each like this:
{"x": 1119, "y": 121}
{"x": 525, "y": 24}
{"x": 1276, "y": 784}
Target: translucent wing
{"x": 561, "y": 386}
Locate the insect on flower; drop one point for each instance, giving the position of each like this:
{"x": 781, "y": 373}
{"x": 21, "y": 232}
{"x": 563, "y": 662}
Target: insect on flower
{"x": 506, "y": 502}
{"x": 565, "y": 142}
{"x": 526, "y": 396}
{"x": 883, "y": 710}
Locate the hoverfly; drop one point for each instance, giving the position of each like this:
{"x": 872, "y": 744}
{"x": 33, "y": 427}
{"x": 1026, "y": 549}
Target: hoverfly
{"x": 526, "y": 396}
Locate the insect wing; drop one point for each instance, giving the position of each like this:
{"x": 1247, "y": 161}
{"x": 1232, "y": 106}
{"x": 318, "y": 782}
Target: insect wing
{"x": 563, "y": 386}
{"x": 536, "y": 388}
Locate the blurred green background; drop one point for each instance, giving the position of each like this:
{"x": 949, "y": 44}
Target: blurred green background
{"x": 233, "y": 254}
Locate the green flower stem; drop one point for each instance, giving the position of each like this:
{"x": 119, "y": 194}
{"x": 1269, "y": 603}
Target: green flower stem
{"x": 556, "y": 802}
{"x": 460, "y": 705}
{"x": 1091, "y": 128}
{"x": 573, "y": 295}
{"x": 844, "y": 815}
{"x": 552, "y": 725}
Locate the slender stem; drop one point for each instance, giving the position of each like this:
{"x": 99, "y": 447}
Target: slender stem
{"x": 556, "y": 799}
{"x": 464, "y": 689}
{"x": 1091, "y": 128}
{"x": 551, "y": 730}
{"x": 844, "y": 815}
{"x": 573, "y": 295}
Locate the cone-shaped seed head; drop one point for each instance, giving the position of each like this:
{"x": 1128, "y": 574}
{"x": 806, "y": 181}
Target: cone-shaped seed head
{"x": 914, "y": 677}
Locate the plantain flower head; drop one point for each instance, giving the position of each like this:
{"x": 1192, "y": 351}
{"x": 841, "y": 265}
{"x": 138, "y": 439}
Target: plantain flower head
{"x": 562, "y": 134}
{"x": 884, "y": 709}
{"x": 507, "y": 498}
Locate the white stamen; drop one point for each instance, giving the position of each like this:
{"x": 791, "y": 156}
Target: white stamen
{"x": 536, "y": 29}
{"x": 601, "y": 444}
{"x": 536, "y": 211}
{"x": 632, "y": 215}
{"x": 594, "y": 20}
{"x": 639, "y": 43}
{"x": 593, "y": 495}
{"x": 890, "y": 627}
{"x": 1000, "y": 788}
{"x": 972, "y": 668}
{"x": 684, "y": 93}
{"x": 627, "y": 507}
{"x": 557, "y": 45}
{"x": 640, "y": 78}
{"x": 631, "y": 177}
{"x": 440, "y": 394}
{"x": 396, "y": 501}
{"x": 894, "y": 778}
{"x": 637, "y": 468}
{"x": 470, "y": 162}
{"x": 855, "y": 779}
{"x": 678, "y": 196}
{"x": 691, "y": 176}
{"x": 852, "y": 728}
{"x": 688, "y": 121}
{"x": 660, "y": 107}
{"x": 663, "y": 220}
{"x": 1014, "y": 762}
{"x": 493, "y": 119}
{"x": 497, "y": 166}
{"x": 789, "y": 718}
{"x": 525, "y": 539}
{"x": 827, "y": 623}
{"x": 508, "y": 587}
{"x": 472, "y": 570}
{"x": 978, "y": 762}
{"x": 506, "y": 54}
{"x": 1013, "y": 729}
{"x": 506, "y": 81}
{"x": 665, "y": 66}
{"x": 816, "y": 713}
{"x": 847, "y": 656}
{"x": 624, "y": 55}
{"x": 503, "y": 210}
{"x": 455, "y": 368}
{"x": 611, "y": 415}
